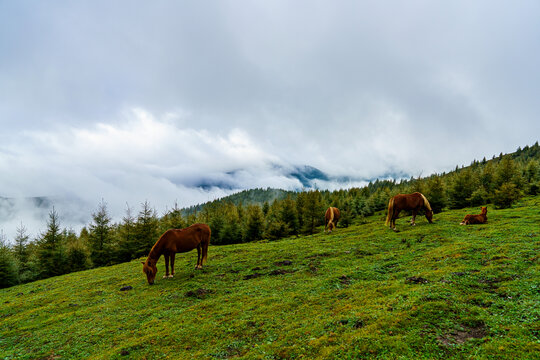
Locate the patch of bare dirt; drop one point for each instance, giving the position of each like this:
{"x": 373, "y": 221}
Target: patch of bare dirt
{"x": 416, "y": 280}
{"x": 283, "y": 263}
{"x": 461, "y": 336}
{"x": 199, "y": 293}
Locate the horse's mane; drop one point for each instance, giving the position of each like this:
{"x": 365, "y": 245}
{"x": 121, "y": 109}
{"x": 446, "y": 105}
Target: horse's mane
{"x": 426, "y": 202}
{"x": 154, "y": 247}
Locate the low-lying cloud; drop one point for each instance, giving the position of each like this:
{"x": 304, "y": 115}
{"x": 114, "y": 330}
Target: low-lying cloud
{"x": 137, "y": 158}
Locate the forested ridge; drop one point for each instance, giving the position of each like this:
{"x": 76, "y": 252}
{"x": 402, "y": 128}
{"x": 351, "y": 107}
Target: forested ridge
{"x": 258, "y": 214}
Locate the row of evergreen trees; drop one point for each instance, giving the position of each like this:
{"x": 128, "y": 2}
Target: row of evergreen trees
{"x": 240, "y": 218}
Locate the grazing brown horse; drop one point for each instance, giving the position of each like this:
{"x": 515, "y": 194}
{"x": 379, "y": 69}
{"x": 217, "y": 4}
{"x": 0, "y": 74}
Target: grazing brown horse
{"x": 177, "y": 241}
{"x": 414, "y": 202}
{"x": 476, "y": 219}
{"x": 331, "y": 218}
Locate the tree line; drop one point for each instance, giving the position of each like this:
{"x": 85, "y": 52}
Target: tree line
{"x": 258, "y": 214}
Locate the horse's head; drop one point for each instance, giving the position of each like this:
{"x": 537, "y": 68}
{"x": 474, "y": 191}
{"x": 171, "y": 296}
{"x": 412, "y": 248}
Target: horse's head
{"x": 429, "y": 216}
{"x": 484, "y": 210}
{"x": 150, "y": 269}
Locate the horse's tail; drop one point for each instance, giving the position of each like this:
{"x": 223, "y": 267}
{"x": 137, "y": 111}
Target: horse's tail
{"x": 329, "y": 222}
{"x": 426, "y": 202}
{"x": 390, "y": 212}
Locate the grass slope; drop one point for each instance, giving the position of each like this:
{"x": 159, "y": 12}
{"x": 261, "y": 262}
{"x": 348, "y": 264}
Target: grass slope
{"x": 439, "y": 291}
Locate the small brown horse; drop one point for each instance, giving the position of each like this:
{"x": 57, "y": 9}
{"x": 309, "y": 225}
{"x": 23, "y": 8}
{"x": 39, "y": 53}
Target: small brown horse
{"x": 414, "y": 202}
{"x": 177, "y": 241}
{"x": 476, "y": 219}
{"x": 331, "y": 218}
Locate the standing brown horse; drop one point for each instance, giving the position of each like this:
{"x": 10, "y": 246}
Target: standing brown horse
{"x": 414, "y": 202}
{"x": 177, "y": 241}
{"x": 476, "y": 219}
{"x": 331, "y": 218}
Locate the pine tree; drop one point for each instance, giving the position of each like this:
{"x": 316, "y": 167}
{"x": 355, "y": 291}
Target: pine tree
{"x": 275, "y": 228}
{"x": 532, "y": 175}
{"x": 51, "y": 249}
{"x": 289, "y": 216}
{"x": 265, "y": 208}
{"x": 127, "y": 241}
{"x": 346, "y": 214}
{"x": 487, "y": 178}
{"x": 173, "y": 219}
{"x": 232, "y": 231}
{"x": 9, "y": 272}
{"x": 30, "y": 270}
{"x": 460, "y": 189}
{"x": 313, "y": 211}
{"x": 100, "y": 237}
{"x": 216, "y": 225}
{"x": 507, "y": 172}
{"x": 77, "y": 254}
{"x": 435, "y": 193}
{"x": 505, "y": 196}
{"x": 532, "y": 171}
{"x": 146, "y": 230}
{"x": 255, "y": 223}
{"x": 21, "y": 246}
{"x": 300, "y": 201}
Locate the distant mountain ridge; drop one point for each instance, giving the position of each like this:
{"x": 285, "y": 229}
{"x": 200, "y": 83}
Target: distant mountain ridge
{"x": 245, "y": 197}
{"x": 306, "y": 175}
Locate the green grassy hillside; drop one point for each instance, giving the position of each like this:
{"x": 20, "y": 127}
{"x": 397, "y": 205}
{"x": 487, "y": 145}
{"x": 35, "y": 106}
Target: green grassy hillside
{"x": 438, "y": 291}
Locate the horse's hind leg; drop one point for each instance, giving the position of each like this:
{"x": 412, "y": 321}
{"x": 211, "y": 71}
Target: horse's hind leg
{"x": 166, "y": 266}
{"x": 204, "y": 253}
{"x": 199, "y": 249}
{"x": 172, "y": 265}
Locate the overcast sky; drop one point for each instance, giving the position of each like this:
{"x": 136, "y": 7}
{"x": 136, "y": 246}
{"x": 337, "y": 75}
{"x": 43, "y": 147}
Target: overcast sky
{"x": 129, "y": 101}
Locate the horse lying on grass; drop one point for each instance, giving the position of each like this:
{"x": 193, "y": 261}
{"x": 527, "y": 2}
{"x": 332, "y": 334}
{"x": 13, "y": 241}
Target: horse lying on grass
{"x": 414, "y": 202}
{"x": 177, "y": 241}
{"x": 476, "y": 219}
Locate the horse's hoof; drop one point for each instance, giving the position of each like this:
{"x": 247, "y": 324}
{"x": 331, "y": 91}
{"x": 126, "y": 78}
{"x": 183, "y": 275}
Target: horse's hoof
{"x": 198, "y": 267}
{"x": 165, "y": 276}
{"x": 170, "y": 276}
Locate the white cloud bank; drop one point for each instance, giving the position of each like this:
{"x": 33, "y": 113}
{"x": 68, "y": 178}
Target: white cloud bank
{"x": 138, "y": 157}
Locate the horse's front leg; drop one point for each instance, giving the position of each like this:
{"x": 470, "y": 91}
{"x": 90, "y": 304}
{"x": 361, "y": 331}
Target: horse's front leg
{"x": 199, "y": 248}
{"x": 413, "y": 217}
{"x": 172, "y": 265}
{"x": 166, "y": 266}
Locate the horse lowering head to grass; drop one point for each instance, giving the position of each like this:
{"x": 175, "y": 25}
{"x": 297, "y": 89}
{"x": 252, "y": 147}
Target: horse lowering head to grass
{"x": 177, "y": 241}
{"x": 331, "y": 218}
{"x": 414, "y": 202}
{"x": 476, "y": 219}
